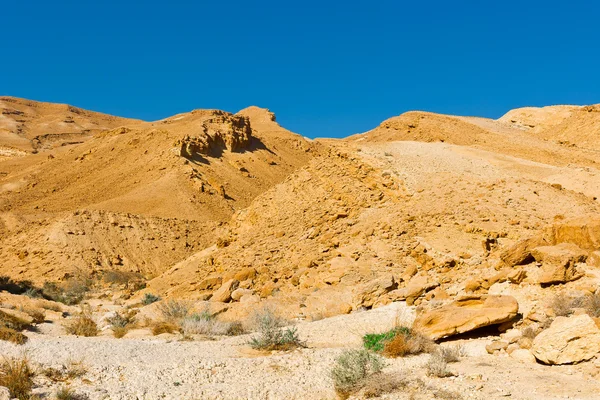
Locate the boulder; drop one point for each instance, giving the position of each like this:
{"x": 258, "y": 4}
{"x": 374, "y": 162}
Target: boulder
{"x": 496, "y": 346}
{"x": 209, "y": 283}
{"x": 568, "y": 340}
{"x": 558, "y": 263}
{"x": 520, "y": 252}
{"x": 416, "y": 286}
{"x": 368, "y": 294}
{"x": 4, "y": 393}
{"x": 594, "y": 259}
{"x": 245, "y": 274}
{"x": 466, "y": 314}
{"x": 238, "y": 293}
{"x": 523, "y": 355}
{"x": 223, "y": 294}
{"x": 561, "y": 254}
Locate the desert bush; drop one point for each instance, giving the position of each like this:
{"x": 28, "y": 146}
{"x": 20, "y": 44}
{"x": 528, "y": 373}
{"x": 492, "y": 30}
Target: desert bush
{"x": 204, "y": 323}
{"x": 398, "y": 342}
{"x": 82, "y": 325}
{"x": 12, "y": 322}
{"x": 164, "y": 327}
{"x": 272, "y": 335}
{"x": 73, "y": 369}
{"x": 592, "y": 305}
{"x": 150, "y": 298}
{"x": 451, "y": 354}
{"x": 67, "y": 393}
{"x": 379, "y": 384}
{"x": 15, "y": 287}
{"x": 437, "y": 366}
{"x": 125, "y": 279}
{"x": 121, "y": 322}
{"x": 174, "y": 310}
{"x": 38, "y": 315}
{"x": 11, "y": 335}
{"x": 70, "y": 292}
{"x": 352, "y": 368}
{"x": 17, "y": 376}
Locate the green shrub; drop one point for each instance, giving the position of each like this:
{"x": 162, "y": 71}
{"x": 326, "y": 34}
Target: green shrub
{"x": 150, "y": 298}
{"x": 398, "y": 342}
{"x": 272, "y": 335}
{"x": 174, "y": 310}
{"x": 352, "y": 368}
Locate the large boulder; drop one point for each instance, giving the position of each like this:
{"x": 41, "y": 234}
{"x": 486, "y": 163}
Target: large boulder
{"x": 559, "y": 262}
{"x": 520, "y": 252}
{"x": 466, "y": 314}
{"x": 568, "y": 340}
{"x": 223, "y": 294}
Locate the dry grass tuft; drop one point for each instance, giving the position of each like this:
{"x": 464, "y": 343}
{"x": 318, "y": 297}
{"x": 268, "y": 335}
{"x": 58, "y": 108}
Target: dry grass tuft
{"x": 12, "y": 322}
{"x": 17, "y": 376}
{"x": 272, "y": 335}
{"x": 407, "y": 342}
{"x": 82, "y": 325}
{"x": 164, "y": 327}
{"x": 174, "y": 310}
{"x": 67, "y": 393}
{"x": 379, "y": 384}
{"x": 121, "y": 322}
{"x": 10, "y": 335}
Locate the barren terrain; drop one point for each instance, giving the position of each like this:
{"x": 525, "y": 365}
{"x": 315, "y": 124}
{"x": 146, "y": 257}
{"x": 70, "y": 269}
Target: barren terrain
{"x": 471, "y": 232}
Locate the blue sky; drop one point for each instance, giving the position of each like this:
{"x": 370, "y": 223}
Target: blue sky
{"x": 326, "y": 68}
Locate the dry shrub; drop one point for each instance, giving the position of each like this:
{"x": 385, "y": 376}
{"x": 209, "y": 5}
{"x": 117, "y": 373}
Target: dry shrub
{"x": 66, "y": 393}
{"x": 126, "y": 279}
{"x": 38, "y": 315}
{"x": 379, "y": 384}
{"x": 82, "y": 325}
{"x": 592, "y": 305}
{"x": 452, "y": 354}
{"x": 13, "y": 322}
{"x": 407, "y": 343}
{"x": 272, "y": 335}
{"x": 10, "y": 335}
{"x": 17, "y": 376}
{"x": 351, "y": 370}
{"x": 73, "y": 369}
{"x": 206, "y": 324}
{"x": 121, "y": 322}
{"x": 174, "y": 310}
{"x": 70, "y": 292}
{"x": 437, "y": 366}
{"x": 150, "y": 298}
{"x": 164, "y": 327}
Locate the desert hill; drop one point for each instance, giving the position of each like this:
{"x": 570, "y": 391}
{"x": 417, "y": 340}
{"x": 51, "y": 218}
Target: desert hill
{"x": 190, "y": 172}
{"x": 28, "y": 126}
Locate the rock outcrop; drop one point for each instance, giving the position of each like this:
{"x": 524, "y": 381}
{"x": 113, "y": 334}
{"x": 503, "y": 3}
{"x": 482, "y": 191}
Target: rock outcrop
{"x": 466, "y": 314}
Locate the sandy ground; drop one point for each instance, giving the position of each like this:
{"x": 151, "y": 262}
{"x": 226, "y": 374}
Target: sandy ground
{"x": 167, "y": 368}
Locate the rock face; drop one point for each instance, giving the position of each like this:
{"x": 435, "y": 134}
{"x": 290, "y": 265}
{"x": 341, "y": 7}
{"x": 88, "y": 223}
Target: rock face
{"x": 466, "y": 314}
{"x": 367, "y": 295}
{"x": 568, "y": 340}
{"x": 558, "y": 262}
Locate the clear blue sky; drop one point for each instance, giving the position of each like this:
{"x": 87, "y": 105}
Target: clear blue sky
{"x": 326, "y": 68}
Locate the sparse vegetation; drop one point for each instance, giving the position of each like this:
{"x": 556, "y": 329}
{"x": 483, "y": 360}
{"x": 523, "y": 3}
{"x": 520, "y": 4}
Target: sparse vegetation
{"x": 164, "y": 327}
{"x": 272, "y": 335}
{"x": 437, "y": 366}
{"x": 174, "y": 310}
{"x": 205, "y": 324}
{"x": 82, "y": 325}
{"x": 150, "y": 298}
{"x": 352, "y": 368}
{"x": 529, "y": 333}
{"x": 10, "y": 335}
{"x": 121, "y": 322}
{"x": 124, "y": 279}
{"x": 398, "y": 342}
{"x": 71, "y": 292}
{"x": 451, "y": 354}
{"x": 564, "y": 305}
{"x": 66, "y": 393}
{"x": 17, "y": 376}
